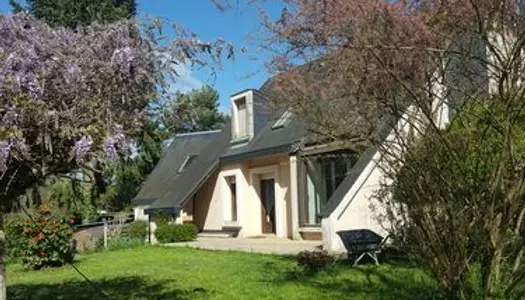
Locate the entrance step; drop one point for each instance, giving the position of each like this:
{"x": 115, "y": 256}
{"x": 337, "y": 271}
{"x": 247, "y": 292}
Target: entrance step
{"x": 215, "y": 234}
{"x": 269, "y": 236}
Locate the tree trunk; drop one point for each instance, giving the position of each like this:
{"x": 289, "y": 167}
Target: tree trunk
{"x": 3, "y": 275}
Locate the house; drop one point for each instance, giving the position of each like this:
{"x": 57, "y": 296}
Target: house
{"x": 260, "y": 175}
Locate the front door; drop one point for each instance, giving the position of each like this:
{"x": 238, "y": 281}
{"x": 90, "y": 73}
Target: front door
{"x": 268, "y": 205}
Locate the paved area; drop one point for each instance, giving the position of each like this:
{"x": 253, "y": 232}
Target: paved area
{"x": 255, "y": 245}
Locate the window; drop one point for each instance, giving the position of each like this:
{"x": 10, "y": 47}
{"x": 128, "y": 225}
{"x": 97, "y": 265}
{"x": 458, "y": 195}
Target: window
{"x": 321, "y": 176}
{"x": 242, "y": 118}
{"x": 283, "y": 120}
{"x": 233, "y": 197}
{"x": 189, "y": 159}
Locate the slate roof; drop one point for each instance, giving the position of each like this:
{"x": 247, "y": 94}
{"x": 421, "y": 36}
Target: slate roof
{"x": 166, "y": 186}
{"x": 268, "y": 141}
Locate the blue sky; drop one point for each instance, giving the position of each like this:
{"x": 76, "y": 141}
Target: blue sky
{"x": 234, "y": 25}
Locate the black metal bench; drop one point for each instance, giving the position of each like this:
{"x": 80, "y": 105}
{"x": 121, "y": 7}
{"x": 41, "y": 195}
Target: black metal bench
{"x": 361, "y": 242}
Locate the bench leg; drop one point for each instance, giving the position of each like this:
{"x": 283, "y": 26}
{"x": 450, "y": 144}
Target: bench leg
{"x": 373, "y": 255}
{"x": 359, "y": 258}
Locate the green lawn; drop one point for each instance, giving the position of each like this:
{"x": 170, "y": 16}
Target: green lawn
{"x": 183, "y": 273}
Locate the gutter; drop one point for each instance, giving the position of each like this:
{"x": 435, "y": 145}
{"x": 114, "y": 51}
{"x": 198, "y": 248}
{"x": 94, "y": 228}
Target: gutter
{"x": 143, "y": 201}
{"x": 262, "y": 152}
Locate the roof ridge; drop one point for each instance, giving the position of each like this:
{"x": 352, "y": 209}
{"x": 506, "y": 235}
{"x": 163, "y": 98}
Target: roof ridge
{"x": 197, "y": 133}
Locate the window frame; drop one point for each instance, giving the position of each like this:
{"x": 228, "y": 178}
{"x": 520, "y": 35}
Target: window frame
{"x": 232, "y": 185}
{"x": 283, "y": 120}
{"x": 244, "y": 124}
{"x": 337, "y": 179}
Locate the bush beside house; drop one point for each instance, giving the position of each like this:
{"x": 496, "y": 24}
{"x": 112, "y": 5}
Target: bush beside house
{"x": 173, "y": 233}
{"x": 137, "y": 230}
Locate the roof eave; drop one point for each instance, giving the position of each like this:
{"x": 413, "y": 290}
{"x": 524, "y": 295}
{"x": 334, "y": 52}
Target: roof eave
{"x": 143, "y": 201}
{"x": 287, "y": 148}
{"x": 174, "y": 210}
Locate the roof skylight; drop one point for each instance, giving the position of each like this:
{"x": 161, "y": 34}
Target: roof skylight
{"x": 189, "y": 159}
{"x": 283, "y": 120}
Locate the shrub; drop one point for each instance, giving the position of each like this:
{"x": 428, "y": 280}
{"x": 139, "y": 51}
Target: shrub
{"x": 162, "y": 218}
{"x": 46, "y": 240}
{"x": 13, "y": 227}
{"x": 314, "y": 261}
{"x": 137, "y": 230}
{"x": 172, "y": 233}
{"x": 123, "y": 243}
{"x": 118, "y": 243}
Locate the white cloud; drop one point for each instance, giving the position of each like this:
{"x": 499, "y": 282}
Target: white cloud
{"x": 185, "y": 80}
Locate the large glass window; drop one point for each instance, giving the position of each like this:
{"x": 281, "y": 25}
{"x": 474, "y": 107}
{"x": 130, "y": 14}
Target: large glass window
{"x": 321, "y": 175}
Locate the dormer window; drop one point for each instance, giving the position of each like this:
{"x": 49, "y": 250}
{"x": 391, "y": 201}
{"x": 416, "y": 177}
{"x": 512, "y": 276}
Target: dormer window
{"x": 242, "y": 115}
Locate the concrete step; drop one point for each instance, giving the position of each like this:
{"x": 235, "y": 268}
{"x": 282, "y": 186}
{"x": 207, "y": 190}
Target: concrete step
{"x": 215, "y": 234}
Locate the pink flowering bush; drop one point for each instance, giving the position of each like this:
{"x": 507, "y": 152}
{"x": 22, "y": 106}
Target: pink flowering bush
{"x": 46, "y": 240}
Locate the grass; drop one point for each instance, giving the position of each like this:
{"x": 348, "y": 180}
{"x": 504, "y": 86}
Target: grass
{"x": 184, "y": 273}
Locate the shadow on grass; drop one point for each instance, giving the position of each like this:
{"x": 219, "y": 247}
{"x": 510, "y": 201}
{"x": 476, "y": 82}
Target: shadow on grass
{"x": 391, "y": 281}
{"x": 119, "y": 288}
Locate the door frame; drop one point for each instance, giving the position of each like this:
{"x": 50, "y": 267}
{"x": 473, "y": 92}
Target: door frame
{"x": 270, "y": 172}
{"x": 264, "y": 212}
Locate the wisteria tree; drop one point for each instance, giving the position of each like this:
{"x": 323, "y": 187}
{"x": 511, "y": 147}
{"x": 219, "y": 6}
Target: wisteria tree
{"x": 69, "y": 99}
{"x": 421, "y": 63}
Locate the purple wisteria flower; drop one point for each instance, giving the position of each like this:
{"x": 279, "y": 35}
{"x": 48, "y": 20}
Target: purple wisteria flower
{"x": 82, "y": 148}
{"x": 29, "y": 83}
{"x": 21, "y": 148}
{"x": 116, "y": 143}
{"x": 73, "y": 73}
{"x": 5, "y": 150}
{"x": 110, "y": 151}
{"x": 14, "y": 62}
{"x": 120, "y": 138}
{"x": 10, "y": 117}
{"x": 122, "y": 58}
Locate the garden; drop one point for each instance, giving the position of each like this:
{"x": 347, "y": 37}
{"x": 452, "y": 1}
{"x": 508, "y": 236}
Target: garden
{"x": 156, "y": 272}
{"x": 43, "y": 263}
